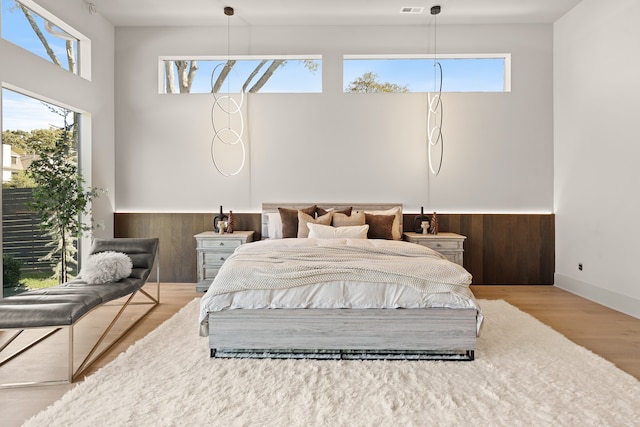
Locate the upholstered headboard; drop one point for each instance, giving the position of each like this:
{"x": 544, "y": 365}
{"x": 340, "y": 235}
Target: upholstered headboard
{"x": 272, "y": 208}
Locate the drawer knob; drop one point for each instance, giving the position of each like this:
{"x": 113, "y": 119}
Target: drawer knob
{"x": 221, "y": 243}
{"x": 221, "y": 258}
{"x": 438, "y": 245}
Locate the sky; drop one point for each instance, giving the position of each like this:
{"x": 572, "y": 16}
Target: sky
{"x": 20, "y": 112}
{"x": 459, "y": 75}
{"x": 292, "y": 77}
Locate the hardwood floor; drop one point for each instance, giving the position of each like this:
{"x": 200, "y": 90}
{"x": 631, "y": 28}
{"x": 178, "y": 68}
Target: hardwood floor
{"x": 606, "y": 332}
{"x": 612, "y": 335}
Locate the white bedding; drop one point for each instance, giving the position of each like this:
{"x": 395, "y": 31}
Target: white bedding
{"x": 425, "y": 278}
{"x": 288, "y": 263}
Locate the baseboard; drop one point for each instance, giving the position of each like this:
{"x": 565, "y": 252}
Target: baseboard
{"x": 614, "y": 300}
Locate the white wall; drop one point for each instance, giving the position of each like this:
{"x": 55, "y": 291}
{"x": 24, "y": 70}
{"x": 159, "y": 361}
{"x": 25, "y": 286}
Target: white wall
{"x": 334, "y": 146}
{"x": 342, "y": 147}
{"x": 33, "y": 75}
{"x": 597, "y": 101}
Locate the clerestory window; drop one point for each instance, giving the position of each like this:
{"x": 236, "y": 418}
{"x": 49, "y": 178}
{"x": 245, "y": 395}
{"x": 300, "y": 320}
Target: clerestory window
{"x": 33, "y": 28}
{"x": 414, "y": 73}
{"x": 251, "y": 74}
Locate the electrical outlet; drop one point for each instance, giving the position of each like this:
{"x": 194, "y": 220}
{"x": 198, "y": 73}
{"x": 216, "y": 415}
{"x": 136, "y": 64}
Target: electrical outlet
{"x": 580, "y": 266}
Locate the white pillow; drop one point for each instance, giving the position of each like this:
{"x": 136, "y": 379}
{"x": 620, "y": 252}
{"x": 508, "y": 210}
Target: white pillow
{"x": 319, "y": 231}
{"x": 274, "y": 225}
{"x": 106, "y": 267}
{"x": 396, "y": 230}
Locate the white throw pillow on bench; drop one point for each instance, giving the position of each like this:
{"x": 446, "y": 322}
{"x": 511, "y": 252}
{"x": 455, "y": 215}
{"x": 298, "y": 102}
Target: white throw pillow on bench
{"x": 106, "y": 267}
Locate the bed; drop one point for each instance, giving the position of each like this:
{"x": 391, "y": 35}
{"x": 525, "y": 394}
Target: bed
{"x": 324, "y": 289}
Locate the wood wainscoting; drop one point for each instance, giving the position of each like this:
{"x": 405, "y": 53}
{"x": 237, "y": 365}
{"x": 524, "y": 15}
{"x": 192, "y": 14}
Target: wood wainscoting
{"x": 505, "y": 249}
{"x": 500, "y": 249}
{"x": 176, "y": 231}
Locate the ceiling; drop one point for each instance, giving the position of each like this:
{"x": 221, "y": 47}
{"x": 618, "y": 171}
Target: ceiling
{"x": 327, "y": 12}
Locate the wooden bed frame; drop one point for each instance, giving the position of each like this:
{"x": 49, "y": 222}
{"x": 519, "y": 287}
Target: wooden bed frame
{"x": 434, "y": 333}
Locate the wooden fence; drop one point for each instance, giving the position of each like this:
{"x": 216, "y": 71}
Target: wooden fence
{"x": 22, "y": 238}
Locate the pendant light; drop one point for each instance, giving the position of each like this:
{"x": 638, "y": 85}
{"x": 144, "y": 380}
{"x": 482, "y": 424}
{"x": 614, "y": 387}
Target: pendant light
{"x": 226, "y": 113}
{"x": 435, "y": 112}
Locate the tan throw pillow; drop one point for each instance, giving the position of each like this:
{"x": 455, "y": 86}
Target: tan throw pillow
{"x": 304, "y": 219}
{"x": 321, "y": 211}
{"x": 289, "y": 219}
{"x": 342, "y": 220}
{"x": 380, "y": 226}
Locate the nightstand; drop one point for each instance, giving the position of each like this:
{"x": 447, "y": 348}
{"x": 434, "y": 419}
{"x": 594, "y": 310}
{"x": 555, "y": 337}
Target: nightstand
{"x": 451, "y": 245}
{"x": 212, "y": 250}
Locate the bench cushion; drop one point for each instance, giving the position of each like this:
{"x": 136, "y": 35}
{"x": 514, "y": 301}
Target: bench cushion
{"x": 64, "y": 304}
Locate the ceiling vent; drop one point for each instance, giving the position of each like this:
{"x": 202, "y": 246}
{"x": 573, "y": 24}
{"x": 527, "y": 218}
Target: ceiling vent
{"x": 408, "y": 9}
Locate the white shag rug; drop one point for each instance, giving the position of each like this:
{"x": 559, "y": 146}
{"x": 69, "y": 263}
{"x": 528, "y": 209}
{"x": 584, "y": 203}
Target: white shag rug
{"x": 524, "y": 374}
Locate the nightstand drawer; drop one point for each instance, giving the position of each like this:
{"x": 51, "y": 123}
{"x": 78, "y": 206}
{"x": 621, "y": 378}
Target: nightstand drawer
{"x": 221, "y": 243}
{"x": 441, "y": 244}
{"x": 216, "y": 258}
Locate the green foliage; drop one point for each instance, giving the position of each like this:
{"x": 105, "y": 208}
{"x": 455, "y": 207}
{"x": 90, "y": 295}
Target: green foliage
{"x": 10, "y": 271}
{"x": 59, "y": 197}
{"x": 58, "y": 245}
{"x": 37, "y": 280}
{"x": 44, "y": 138}
{"x": 21, "y": 179}
{"x": 311, "y": 65}
{"x": 368, "y": 83}
{"x": 28, "y": 143}
{"x": 14, "y": 138}
{"x": 31, "y": 142}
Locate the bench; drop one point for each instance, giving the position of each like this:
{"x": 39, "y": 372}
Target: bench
{"x": 63, "y": 306}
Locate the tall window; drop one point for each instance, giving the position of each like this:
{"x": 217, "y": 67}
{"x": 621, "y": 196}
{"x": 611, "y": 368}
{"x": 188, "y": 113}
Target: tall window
{"x": 28, "y": 25}
{"x": 404, "y": 73}
{"x": 279, "y": 74}
{"x": 30, "y": 127}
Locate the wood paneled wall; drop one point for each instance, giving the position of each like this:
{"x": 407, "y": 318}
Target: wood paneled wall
{"x": 514, "y": 249}
{"x": 505, "y": 249}
{"x": 176, "y": 231}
